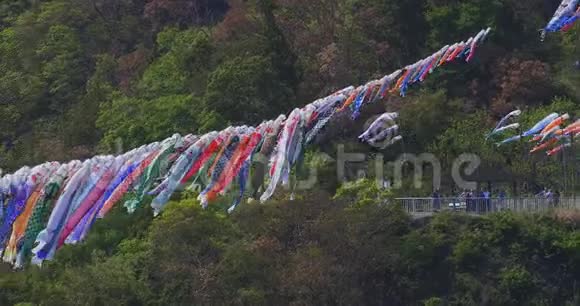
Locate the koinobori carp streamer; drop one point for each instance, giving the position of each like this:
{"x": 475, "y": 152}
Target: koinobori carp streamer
{"x": 563, "y": 19}
{"x": 550, "y": 134}
{"x": 53, "y": 204}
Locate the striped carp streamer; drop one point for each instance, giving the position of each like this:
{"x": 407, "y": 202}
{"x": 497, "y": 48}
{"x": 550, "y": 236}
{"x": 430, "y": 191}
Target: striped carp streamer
{"x": 563, "y": 19}
{"x": 45, "y": 207}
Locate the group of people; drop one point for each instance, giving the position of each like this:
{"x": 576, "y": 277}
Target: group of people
{"x": 485, "y": 201}
{"x": 474, "y": 201}
{"x": 553, "y": 197}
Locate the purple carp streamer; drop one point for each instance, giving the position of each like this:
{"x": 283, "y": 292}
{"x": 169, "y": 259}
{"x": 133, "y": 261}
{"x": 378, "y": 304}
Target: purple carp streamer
{"x": 53, "y": 204}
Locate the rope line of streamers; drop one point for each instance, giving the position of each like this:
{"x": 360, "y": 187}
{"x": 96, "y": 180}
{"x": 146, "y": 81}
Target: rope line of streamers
{"x": 47, "y": 206}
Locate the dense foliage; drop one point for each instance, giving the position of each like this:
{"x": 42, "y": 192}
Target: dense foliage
{"x": 80, "y": 77}
{"x": 313, "y": 251}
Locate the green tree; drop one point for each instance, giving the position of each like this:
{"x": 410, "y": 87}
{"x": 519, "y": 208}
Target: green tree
{"x": 182, "y": 65}
{"x": 247, "y": 90}
{"x": 63, "y": 67}
{"x": 136, "y": 121}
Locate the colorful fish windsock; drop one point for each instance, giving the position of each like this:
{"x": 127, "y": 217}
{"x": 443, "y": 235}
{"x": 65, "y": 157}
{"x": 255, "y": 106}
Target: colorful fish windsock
{"x": 53, "y": 204}
{"x": 541, "y": 125}
{"x": 157, "y": 168}
{"x": 21, "y": 222}
{"x": 243, "y": 179}
{"x": 47, "y": 238}
{"x": 392, "y": 141}
{"x": 574, "y": 131}
{"x": 556, "y": 122}
{"x": 513, "y": 126}
{"x": 41, "y": 211}
{"x": 102, "y": 181}
{"x": 551, "y": 133}
{"x": 511, "y": 139}
{"x": 476, "y": 42}
{"x": 383, "y": 122}
{"x": 131, "y": 162}
{"x": 566, "y": 14}
{"x": 544, "y": 146}
{"x": 280, "y": 158}
{"x": 503, "y": 121}
{"x": 558, "y": 149}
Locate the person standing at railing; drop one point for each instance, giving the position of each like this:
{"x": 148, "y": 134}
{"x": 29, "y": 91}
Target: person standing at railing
{"x": 436, "y": 200}
{"x": 550, "y": 197}
{"x": 486, "y": 201}
{"x": 469, "y": 201}
{"x": 477, "y": 201}
{"x": 556, "y": 198}
{"x": 502, "y": 197}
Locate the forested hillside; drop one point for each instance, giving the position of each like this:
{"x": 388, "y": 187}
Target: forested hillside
{"x": 316, "y": 250}
{"x": 85, "y": 77}
{"x": 80, "y": 78}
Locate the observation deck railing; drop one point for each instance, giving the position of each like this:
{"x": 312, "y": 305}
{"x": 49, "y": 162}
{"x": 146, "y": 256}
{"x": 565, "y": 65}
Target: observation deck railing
{"x": 482, "y": 206}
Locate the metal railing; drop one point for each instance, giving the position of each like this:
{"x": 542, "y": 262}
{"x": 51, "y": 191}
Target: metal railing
{"x": 482, "y": 206}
